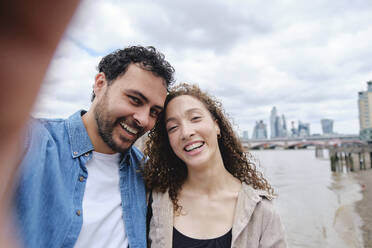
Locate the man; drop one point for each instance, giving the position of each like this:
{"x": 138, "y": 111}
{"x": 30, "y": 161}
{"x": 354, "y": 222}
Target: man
{"x": 80, "y": 183}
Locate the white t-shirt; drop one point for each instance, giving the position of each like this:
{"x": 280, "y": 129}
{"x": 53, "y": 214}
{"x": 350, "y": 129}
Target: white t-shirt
{"x": 103, "y": 224}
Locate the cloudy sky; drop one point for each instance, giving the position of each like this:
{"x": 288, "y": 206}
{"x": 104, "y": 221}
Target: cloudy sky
{"x": 307, "y": 58}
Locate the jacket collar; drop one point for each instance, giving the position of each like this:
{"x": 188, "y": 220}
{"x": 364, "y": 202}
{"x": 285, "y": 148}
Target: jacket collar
{"x": 79, "y": 140}
{"x": 248, "y": 199}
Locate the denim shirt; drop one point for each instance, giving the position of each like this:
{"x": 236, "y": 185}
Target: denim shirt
{"x": 52, "y": 179}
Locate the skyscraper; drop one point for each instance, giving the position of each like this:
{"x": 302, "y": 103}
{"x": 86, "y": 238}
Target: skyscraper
{"x": 365, "y": 112}
{"x": 278, "y": 125}
{"x": 327, "y": 126}
{"x": 303, "y": 129}
{"x": 294, "y": 131}
{"x": 273, "y": 125}
{"x": 283, "y": 128}
{"x": 259, "y": 130}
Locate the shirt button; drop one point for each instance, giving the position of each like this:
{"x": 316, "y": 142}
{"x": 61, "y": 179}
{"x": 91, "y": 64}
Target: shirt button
{"x": 86, "y": 154}
{"x": 81, "y": 179}
{"x": 78, "y": 212}
{"x": 75, "y": 153}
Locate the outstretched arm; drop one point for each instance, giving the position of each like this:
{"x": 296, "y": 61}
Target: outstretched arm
{"x": 30, "y": 32}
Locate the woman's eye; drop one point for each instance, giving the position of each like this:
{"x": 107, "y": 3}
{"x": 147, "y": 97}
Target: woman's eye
{"x": 169, "y": 129}
{"x": 195, "y": 118}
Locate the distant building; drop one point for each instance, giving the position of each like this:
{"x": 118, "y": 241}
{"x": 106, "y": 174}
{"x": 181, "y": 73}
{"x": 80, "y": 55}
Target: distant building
{"x": 245, "y": 135}
{"x": 303, "y": 129}
{"x": 283, "y": 127}
{"x": 365, "y": 112}
{"x": 273, "y": 123}
{"x": 259, "y": 130}
{"x": 278, "y": 125}
{"x": 294, "y": 131}
{"x": 327, "y": 126}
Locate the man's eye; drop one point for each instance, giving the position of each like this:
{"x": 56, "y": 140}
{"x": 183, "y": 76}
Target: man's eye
{"x": 135, "y": 100}
{"x": 154, "y": 113}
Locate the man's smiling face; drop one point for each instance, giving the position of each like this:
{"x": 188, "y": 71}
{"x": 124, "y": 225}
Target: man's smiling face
{"x": 128, "y": 107}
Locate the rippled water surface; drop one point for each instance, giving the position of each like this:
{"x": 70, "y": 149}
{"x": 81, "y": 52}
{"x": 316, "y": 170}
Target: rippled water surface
{"x": 317, "y": 206}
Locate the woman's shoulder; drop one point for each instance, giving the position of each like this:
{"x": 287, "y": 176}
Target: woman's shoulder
{"x": 256, "y": 194}
{"x": 262, "y": 201}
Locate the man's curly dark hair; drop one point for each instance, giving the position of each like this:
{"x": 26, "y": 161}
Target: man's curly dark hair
{"x": 116, "y": 63}
{"x": 164, "y": 170}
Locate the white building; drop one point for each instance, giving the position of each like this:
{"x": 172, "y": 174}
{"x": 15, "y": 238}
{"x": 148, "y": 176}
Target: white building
{"x": 365, "y": 112}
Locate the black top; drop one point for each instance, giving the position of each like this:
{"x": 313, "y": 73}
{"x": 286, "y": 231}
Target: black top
{"x": 182, "y": 241}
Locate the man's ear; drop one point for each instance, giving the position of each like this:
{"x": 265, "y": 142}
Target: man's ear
{"x": 100, "y": 84}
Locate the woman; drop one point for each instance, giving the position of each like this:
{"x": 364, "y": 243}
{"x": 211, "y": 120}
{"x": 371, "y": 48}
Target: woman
{"x": 206, "y": 191}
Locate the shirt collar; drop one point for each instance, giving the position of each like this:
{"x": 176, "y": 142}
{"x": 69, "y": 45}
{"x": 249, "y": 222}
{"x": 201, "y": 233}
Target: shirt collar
{"x": 79, "y": 140}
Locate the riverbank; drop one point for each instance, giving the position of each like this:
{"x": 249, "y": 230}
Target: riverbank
{"x": 364, "y": 206}
{"x": 330, "y": 208}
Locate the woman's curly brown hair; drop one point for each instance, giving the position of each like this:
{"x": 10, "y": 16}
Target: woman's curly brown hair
{"x": 164, "y": 170}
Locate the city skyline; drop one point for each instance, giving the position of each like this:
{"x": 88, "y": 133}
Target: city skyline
{"x": 310, "y": 59}
{"x": 278, "y": 127}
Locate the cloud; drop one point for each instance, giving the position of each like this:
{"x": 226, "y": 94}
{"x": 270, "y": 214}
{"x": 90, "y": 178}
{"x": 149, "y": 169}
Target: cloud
{"x": 309, "y": 59}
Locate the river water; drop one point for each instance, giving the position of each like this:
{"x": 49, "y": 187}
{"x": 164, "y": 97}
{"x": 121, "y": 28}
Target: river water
{"x": 317, "y": 206}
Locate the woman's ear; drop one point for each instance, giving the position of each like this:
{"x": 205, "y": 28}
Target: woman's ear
{"x": 217, "y": 127}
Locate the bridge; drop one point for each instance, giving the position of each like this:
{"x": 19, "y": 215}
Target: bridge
{"x": 305, "y": 142}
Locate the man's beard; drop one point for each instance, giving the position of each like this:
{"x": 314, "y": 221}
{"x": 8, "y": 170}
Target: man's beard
{"x": 106, "y": 126}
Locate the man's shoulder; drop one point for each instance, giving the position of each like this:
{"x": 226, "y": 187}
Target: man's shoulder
{"x": 44, "y": 127}
{"x": 45, "y": 123}
{"x": 50, "y": 125}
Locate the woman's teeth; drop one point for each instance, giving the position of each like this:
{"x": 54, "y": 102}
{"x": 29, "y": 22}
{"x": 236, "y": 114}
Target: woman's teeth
{"x": 193, "y": 146}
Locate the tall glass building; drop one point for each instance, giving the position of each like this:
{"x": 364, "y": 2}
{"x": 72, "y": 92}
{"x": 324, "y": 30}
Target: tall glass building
{"x": 327, "y": 126}
{"x": 259, "y": 131}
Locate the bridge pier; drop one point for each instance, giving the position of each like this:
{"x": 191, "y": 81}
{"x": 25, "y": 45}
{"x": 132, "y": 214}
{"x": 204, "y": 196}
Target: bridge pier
{"x": 350, "y": 159}
{"x": 319, "y": 152}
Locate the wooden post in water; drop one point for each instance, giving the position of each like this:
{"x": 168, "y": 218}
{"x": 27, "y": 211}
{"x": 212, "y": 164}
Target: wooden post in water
{"x": 346, "y": 162}
{"x": 349, "y": 161}
{"x": 355, "y": 162}
{"x": 360, "y": 157}
{"x": 333, "y": 158}
{"x": 366, "y": 160}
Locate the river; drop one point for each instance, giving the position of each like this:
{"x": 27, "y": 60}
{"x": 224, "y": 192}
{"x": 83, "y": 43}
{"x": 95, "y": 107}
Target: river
{"x": 317, "y": 206}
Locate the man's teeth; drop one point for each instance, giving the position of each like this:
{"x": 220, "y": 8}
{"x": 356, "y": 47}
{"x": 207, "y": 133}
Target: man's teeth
{"x": 193, "y": 146}
{"x": 128, "y": 128}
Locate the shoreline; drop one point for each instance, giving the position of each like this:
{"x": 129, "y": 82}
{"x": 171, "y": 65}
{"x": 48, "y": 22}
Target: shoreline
{"x": 364, "y": 206}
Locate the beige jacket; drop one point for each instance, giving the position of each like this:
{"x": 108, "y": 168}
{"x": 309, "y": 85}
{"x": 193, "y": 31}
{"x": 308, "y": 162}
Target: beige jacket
{"x": 256, "y": 224}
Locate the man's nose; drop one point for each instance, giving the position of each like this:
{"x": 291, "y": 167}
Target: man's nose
{"x": 142, "y": 118}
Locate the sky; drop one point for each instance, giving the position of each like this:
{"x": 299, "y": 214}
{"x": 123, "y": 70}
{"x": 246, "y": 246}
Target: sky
{"x": 308, "y": 58}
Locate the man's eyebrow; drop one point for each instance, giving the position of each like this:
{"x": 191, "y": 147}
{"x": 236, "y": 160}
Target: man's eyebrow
{"x": 140, "y": 95}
